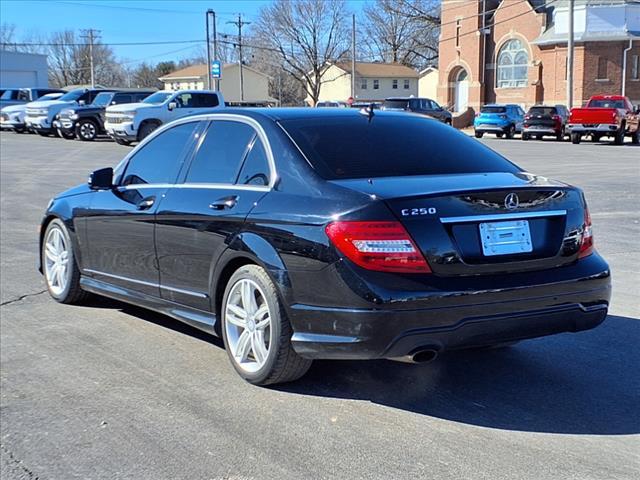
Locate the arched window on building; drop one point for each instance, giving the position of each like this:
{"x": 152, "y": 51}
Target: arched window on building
{"x": 513, "y": 62}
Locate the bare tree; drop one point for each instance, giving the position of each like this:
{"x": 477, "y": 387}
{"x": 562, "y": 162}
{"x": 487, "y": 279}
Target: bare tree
{"x": 304, "y": 36}
{"x": 402, "y": 31}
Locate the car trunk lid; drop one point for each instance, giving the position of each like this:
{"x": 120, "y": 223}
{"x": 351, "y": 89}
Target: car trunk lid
{"x": 476, "y": 224}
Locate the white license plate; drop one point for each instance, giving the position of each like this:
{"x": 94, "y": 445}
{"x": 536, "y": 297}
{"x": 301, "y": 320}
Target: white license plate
{"x": 505, "y": 238}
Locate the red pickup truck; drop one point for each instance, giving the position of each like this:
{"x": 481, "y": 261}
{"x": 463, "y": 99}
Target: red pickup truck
{"x": 605, "y": 116}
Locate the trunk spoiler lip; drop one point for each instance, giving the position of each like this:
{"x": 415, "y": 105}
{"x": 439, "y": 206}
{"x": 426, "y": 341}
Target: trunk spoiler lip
{"x": 410, "y": 187}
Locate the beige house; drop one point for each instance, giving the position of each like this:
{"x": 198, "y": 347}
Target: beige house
{"x": 428, "y": 83}
{"x": 256, "y": 84}
{"x": 374, "y": 82}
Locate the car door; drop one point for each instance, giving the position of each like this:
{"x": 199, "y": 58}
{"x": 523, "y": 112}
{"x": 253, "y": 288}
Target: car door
{"x": 228, "y": 174}
{"x": 120, "y": 224}
{"x": 519, "y": 117}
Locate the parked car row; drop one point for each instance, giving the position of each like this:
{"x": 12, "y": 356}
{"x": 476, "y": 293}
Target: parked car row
{"x": 125, "y": 115}
{"x": 610, "y": 116}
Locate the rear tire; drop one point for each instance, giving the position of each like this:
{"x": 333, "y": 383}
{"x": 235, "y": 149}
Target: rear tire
{"x": 619, "y": 138}
{"x": 61, "y": 273}
{"x": 499, "y": 135}
{"x": 258, "y": 344}
{"x": 120, "y": 141}
{"x": 511, "y": 132}
{"x": 575, "y": 138}
{"x": 478, "y": 134}
{"x": 560, "y": 136}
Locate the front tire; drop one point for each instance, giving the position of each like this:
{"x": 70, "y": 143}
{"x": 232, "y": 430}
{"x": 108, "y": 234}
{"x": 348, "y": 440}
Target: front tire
{"x": 120, "y": 141}
{"x": 525, "y": 136}
{"x": 65, "y": 135}
{"x": 478, "y": 134}
{"x": 146, "y": 130}
{"x": 61, "y": 273}
{"x": 256, "y": 331}
{"x": 619, "y": 138}
{"x": 635, "y": 137}
{"x": 87, "y": 130}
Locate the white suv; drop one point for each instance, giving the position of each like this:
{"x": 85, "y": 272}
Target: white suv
{"x": 131, "y": 122}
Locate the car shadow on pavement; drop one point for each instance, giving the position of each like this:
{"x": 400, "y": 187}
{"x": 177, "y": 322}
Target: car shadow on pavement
{"x": 584, "y": 383}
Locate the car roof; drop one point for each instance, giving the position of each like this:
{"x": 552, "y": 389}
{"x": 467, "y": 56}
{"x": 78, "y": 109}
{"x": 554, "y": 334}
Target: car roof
{"x": 297, "y": 113}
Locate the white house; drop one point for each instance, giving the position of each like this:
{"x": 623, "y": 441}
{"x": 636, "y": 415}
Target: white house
{"x": 23, "y": 70}
{"x": 256, "y": 84}
{"x": 428, "y": 83}
{"x": 374, "y": 82}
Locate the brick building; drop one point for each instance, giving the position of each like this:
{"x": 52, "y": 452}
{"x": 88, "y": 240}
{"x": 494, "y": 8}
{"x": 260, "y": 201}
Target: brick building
{"x": 515, "y": 51}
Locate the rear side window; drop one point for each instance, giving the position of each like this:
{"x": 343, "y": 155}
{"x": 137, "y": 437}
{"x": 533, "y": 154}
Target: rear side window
{"x": 396, "y": 104}
{"x": 122, "y": 98}
{"x": 204, "y": 100}
{"x": 161, "y": 158}
{"x": 390, "y": 145}
{"x": 255, "y": 170}
{"x": 493, "y": 110}
{"x": 221, "y": 153}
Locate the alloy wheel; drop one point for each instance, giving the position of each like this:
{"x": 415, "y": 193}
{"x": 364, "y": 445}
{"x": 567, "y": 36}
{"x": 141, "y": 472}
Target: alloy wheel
{"x": 56, "y": 264}
{"x": 87, "y": 130}
{"x": 248, "y": 325}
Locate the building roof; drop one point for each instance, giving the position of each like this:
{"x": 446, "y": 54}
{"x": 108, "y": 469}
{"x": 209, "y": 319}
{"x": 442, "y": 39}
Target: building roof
{"x": 200, "y": 70}
{"x": 379, "y": 69}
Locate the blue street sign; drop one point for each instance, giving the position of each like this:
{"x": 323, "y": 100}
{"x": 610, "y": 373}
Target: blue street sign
{"x": 216, "y": 69}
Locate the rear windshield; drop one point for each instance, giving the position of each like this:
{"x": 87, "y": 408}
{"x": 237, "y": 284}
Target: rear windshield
{"x": 493, "y": 109}
{"x": 607, "y": 103}
{"x": 399, "y": 104}
{"x": 390, "y": 145}
{"x": 545, "y": 111}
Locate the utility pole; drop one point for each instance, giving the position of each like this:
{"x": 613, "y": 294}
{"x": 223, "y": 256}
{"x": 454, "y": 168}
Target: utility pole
{"x": 215, "y": 48}
{"x": 91, "y": 35}
{"x": 570, "y": 58}
{"x": 353, "y": 57}
{"x": 206, "y": 18}
{"x": 239, "y": 23}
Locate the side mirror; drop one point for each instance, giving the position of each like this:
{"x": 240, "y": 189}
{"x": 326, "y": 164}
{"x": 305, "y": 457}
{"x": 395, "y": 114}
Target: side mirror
{"x": 101, "y": 179}
{"x": 81, "y": 103}
{"x": 172, "y": 105}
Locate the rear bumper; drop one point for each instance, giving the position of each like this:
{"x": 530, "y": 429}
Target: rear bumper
{"x": 453, "y": 320}
{"x": 537, "y": 130}
{"x": 488, "y": 128}
{"x": 595, "y": 128}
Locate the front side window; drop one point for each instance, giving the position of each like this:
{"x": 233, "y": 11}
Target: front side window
{"x": 221, "y": 153}
{"x": 513, "y": 63}
{"x": 102, "y": 99}
{"x": 157, "y": 98}
{"x": 159, "y": 161}
{"x": 184, "y": 100}
{"x": 122, "y": 98}
{"x": 376, "y": 84}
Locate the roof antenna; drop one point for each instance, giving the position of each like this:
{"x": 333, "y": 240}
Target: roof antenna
{"x": 368, "y": 112}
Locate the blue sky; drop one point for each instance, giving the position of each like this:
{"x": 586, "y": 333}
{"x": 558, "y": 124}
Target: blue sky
{"x": 133, "y": 21}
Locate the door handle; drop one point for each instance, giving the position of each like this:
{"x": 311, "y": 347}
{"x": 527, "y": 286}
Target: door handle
{"x": 224, "y": 203}
{"x": 146, "y": 203}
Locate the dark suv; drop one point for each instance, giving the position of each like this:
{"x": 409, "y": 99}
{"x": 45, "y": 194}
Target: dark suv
{"x": 86, "y": 122}
{"x": 543, "y": 120}
{"x": 423, "y": 106}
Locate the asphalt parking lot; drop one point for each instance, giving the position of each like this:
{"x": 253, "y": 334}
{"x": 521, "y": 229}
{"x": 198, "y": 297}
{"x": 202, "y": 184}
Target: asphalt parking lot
{"x": 112, "y": 391}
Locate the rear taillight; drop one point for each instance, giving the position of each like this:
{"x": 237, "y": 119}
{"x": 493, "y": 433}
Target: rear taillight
{"x": 527, "y": 117}
{"x": 586, "y": 246}
{"x": 558, "y": 120}
{"x": 381, "y": 246}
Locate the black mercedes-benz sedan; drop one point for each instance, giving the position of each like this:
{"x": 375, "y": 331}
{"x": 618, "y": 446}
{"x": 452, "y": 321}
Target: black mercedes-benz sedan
{"x": 298, "y": 234}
